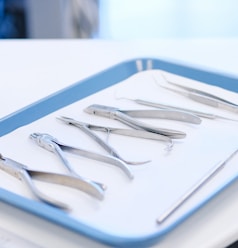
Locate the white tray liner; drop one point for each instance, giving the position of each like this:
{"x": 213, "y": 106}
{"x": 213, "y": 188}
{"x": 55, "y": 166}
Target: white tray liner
{"x": 130, "y": 208}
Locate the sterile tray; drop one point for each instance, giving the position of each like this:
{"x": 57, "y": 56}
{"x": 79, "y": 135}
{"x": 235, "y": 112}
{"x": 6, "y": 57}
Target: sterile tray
{"x": 127, "y": 216}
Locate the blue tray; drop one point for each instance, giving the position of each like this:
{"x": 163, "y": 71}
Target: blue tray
{"x": 79, "y": 91}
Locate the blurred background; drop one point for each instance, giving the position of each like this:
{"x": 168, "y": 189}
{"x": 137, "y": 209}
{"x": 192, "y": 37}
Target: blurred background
{"x": 118, "y": 19}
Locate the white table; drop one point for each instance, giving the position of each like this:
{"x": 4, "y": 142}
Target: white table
{"x": 32, "y": 69}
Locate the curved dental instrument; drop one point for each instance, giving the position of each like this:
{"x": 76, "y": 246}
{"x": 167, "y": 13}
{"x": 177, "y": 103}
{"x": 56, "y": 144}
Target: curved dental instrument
{"x": 196, "y": 187}
{"x": 86, "y": 128}
{"x": 21, "y": 172}
{"x": 200, "y": 92}
{"x": 53, "y": 145}
{"x": 124, "y": 117}
{"x": 195, "y": 112}
{"x": 201, "y": 96}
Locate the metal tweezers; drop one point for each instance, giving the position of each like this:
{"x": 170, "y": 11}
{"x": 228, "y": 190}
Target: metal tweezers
{"x": 87, "y": 129}
{"x": 202, "y": 97}
{"x": 21, "y": 172}
{"x": 53, "y": 145}
{"x": 126, "y": 117}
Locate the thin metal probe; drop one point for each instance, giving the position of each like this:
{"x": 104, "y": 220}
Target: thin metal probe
{"x": 162, "y": 113}
{"x": 195, "y": 188}
{"x": 165, "y": 106}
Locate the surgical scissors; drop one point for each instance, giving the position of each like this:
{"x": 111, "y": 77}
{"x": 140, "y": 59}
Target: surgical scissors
{"x": 22, "y": 172}
{"x": 126, "y": 117}
{"x": 86, "y": 128}
{"x": 51, "y": 144}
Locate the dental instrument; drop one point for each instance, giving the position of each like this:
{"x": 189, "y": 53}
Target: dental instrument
{"x": 126, "y": 118}
{"x": 27, "y": 175}
{"x": 51, "y": 144}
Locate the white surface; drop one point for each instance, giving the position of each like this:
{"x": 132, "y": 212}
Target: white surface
{"x": 33, "y": 69}
{"x": 42, "y": 67}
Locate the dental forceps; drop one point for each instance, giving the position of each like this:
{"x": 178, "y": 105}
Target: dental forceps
{"x": 201, "y": 96}
{"x": 165, "y": 106}
{"x": 205, "y": 179}
{"x": 53, "y": 145}
{"x": 22, "y": 172}
{"x": 126, "y": 117}
{"x": 86, "y": 128}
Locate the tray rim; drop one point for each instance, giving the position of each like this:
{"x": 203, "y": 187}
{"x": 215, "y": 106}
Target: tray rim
{"x": 81, "y": 89}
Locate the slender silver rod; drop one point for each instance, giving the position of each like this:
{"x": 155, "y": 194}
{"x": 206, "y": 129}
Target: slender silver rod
{"x": 195, "y": 188}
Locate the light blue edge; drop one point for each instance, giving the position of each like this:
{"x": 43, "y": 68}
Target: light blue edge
{"x": 83, "y": 89}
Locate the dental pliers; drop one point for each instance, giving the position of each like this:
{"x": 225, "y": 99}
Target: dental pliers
{"x": 126, "y": 117}
{"x": 51, "y": 144}
{"x": 27, "y": 175}
{"x": 87, "y": 129}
